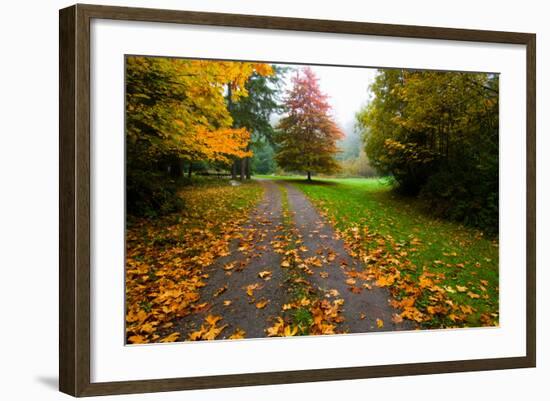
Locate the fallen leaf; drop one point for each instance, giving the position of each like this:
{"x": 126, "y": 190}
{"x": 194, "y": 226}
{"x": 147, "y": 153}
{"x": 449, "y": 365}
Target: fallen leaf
{"x": 266, "y": 275}
{"x": 262, "y": 303}
{"x": 213, "y": 332}
{"x": 276, "y": 328}
{"x": 137, "y": 339}
{"x": 379, "y": 323}
{"x": 212, "y": 319}
{"x": 467, "y": 309}
{"x": 171, "y": 338}
{"x": 396, "y": 318}
{"x": 251, "y": 287}
{"x": 449, "y": 289}
{"x": 239, "y": 333}
{"x": 220, "y": 291}
{"x": 290, "y": 331}
{"x": 229, "y": 266}
{"x": 355, "y": 290}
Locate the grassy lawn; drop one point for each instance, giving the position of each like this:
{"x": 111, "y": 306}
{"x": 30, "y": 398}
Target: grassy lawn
{"x": 441, "y": 273}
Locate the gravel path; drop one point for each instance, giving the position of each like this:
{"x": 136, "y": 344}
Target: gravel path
{"x": 362, "y": 309}
{"x": 249, "y": 256}
{"x": 235, "y": 289}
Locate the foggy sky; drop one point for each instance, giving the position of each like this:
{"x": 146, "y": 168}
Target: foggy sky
{"x": 347, "y": 90}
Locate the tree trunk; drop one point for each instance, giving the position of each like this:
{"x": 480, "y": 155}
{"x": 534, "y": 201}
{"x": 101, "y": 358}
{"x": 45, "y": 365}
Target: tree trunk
{"x": 190, "y": 170}
{"x": 234, "y": 170}
{"x": 248, "y": 168}
{"x": 176, "y": 168}
{"x": 309, "y": 175}
{"x": 243, "y": 169}
{"x": 247, "y": 162}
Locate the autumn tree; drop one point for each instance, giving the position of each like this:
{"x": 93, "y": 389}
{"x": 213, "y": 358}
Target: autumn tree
{"x": 436, "y": 133}
{"x": 176, "y": 112}
{"x": 307, "y": 135}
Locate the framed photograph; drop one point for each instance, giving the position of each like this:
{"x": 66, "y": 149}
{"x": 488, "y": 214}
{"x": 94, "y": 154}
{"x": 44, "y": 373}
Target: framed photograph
{"x": 249, "y": 200}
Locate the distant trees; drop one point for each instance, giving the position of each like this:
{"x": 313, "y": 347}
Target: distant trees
{"x": 307, "y": 135}
{"x": 254, "y": 112}
{"x": 437, "y": 134}
{"x": 176, "y": 113}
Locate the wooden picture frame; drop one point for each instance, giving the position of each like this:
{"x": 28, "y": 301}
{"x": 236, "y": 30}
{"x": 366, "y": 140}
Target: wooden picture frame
{"x": 74, "y": 204}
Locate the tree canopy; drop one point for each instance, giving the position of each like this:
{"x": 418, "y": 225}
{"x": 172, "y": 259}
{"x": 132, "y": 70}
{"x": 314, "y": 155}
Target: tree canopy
{"x": 436, "y": 133}
{"x": 176, "y": 111}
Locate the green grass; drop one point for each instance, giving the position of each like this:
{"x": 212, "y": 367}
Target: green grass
{"x": 464, "y": 255}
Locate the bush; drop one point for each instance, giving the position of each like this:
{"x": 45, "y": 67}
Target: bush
{"x": 470, "y": 197}
{"x": 151, "y": 194}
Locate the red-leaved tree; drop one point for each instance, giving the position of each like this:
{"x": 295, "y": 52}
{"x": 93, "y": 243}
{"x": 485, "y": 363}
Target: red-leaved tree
{"x": 307, "y": 136}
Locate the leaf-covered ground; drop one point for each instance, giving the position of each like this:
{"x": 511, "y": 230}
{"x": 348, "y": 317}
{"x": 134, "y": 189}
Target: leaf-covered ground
{"x": 166, "y": 257}
{"x": 440, "y": 274}
{"x": 284, "y": 257}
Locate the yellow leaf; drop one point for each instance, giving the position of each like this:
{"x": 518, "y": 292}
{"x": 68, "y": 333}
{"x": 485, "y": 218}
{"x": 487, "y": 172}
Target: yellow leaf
{"x": 379, "y": 323}
{"x": 285, "y": 263}
{"x": 250, "y": 289}
{"x": 137, "y": 340}
{"x": 220, "y": 291}
{"x": 314, "y": 261}
{"x": 239, "y": 333}
{"x": 227, "y": 302}
{"x": 351, "y": 281}
{"x": 449, "y": 289}
{"x": 276, "y": 328}
{"x": 266, "y": 275}
{"x": 472, "y": 295}
{"x": 171, "y": 338}
{"x": 229, "y": 266}
{"x": 467, "y": 309}
{"x": 213, "y": 332}
{"x": 147, "y": 328}
{"x": 326, "y": 328}
{"x": 197, "y": 335}
{"x": 461, "y": 288}
{"x": 290, "y": 331}
{"x": 262, "y": 304}
{"x": 212, "y": 320}
{"x": 304, "y": 301}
